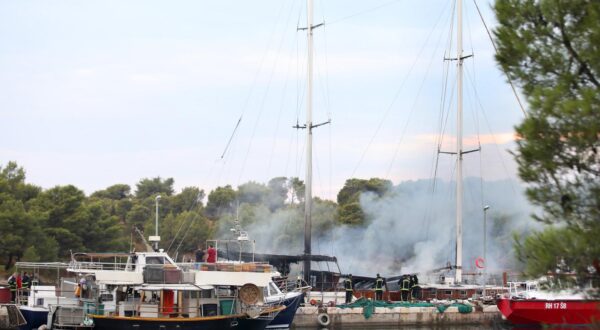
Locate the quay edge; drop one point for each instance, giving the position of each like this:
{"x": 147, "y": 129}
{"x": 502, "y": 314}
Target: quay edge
{"x": 382, "y": 316}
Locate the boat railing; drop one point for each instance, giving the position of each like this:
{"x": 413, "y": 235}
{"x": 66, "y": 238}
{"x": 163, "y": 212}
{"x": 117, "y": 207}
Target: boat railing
{"x": 92, "y": 265}
{"x": 73, "y": 316}
{"x": 522, "y": 289}
{"x": 255, "y": 267}
{"x": 42, "y": 296}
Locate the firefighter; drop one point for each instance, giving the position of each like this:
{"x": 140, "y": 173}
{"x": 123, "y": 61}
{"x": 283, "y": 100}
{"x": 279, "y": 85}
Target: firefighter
{"x": 12, "y": 284}
{"x": 26, "y": 283}
{"x": 415, "y": 289}
{"x": 379, "y": 282}
{"x": 349, "y": 290}
{"x": 404, "y": 287}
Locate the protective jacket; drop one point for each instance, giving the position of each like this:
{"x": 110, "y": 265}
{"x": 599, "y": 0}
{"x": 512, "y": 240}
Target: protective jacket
{"x": 12, "y": 283}
{"x": 405, "y": 284}
{"x": 379, "y": 284}
{"x": 26, "y": 282}
{"x": 348, "y": 284}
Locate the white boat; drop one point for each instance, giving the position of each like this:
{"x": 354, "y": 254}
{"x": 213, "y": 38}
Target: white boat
{"x": 149, "y": 290}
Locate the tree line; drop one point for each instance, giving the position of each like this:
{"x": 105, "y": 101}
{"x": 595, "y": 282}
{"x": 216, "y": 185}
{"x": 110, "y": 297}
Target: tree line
{"x": 48, "y": 224}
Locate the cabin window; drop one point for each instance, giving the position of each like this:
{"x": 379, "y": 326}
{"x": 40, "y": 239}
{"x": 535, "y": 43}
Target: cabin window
{"x": 273, "y": 288}
{"x": 463, "y": 293}
{"x": 155, "y": 260}
{"x": 206, "y": 294}
{"x": 448, "y": 292}
{"x": 433, "y": 292}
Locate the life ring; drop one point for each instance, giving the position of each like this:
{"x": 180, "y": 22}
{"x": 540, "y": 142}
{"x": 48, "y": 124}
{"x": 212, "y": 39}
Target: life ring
{"x": 323, "y": 319}
{"x": 480, "y": 263}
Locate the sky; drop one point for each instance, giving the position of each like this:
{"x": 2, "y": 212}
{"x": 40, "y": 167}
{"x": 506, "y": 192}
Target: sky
{"x": 95, "y": 93}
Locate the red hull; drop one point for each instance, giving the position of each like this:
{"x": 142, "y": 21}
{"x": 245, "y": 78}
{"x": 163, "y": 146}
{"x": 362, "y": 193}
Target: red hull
{"x": 554, "y": 312}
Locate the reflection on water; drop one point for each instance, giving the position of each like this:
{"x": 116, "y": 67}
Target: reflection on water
{"x": 462, "y": 327}
{"x": 499, "y": 326}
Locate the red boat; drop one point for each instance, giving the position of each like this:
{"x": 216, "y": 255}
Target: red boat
{"x": 531, "y": 307}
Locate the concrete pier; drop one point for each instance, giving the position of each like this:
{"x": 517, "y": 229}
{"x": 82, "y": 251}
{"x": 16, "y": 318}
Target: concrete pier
{"x": 397, "y": 316}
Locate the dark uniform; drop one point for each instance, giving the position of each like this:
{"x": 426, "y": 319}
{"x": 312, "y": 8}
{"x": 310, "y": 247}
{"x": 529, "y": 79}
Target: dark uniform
{"x": 199, "y": 256}
{"x": 415, "y": 289}
{"x": 12, "y": 284}
{"x": 26, "y": 284}
{"x": 379, "y": 282}
{"x": 404, "y": 284}
{"x": 349, "y": 289}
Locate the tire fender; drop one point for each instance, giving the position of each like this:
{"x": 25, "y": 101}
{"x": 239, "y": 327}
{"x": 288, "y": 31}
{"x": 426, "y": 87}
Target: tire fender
{"x": 324, "y": 319}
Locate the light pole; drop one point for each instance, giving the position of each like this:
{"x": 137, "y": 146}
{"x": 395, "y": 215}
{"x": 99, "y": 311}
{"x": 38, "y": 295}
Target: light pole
{"x": 156, "y": 223}
{"x": 485, "y": 209}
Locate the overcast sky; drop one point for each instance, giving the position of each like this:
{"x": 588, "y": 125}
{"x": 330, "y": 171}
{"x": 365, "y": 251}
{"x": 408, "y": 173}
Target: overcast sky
{"x": 95, "y": 93}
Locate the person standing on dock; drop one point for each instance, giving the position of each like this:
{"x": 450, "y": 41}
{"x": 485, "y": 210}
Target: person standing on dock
{"x": 349, "y": 289}
{"x": 379, "y": 282}
{"x": 404, "y": 284}
{"x": 415, "y": 289}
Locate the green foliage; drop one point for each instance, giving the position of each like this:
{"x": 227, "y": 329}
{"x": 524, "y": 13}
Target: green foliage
{"x": 31, "y": 255}
{"x": 297, "y": 190}
{"x": 155, "y": 186}
{"x": 278, "y": 192}
{"x": 559, "y": 250}
{"x": 16, "y": 221}
{"x": 252, "y": 193}
{"x": 184, "y": 232}
{"x": 114, "y": 192}
{"x": 550, "y": 48}
{"x": 138, "y": 215}
{"x": 351, "y": 214}
{"x": 220, "y": 201}
{"x": 348, "y": 198}
{"x": 189, "y": 199}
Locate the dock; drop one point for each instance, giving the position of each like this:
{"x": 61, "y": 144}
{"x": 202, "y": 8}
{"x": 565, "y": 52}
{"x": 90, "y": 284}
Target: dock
{"x": 337, "y": 317}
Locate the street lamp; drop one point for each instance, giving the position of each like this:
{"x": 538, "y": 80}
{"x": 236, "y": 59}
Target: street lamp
{"x": 485, "y": 209}
{"x": 156, "y": 224}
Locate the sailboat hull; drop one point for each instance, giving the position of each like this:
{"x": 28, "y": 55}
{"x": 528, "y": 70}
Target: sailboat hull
{"x": 550, "y": 312}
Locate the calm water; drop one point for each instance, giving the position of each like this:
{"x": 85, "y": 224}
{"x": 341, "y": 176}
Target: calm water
{"x": 500, "y": 326}
{"x": 395, "y": 327}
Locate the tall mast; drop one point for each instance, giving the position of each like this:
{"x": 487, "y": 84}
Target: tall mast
{"x": 309, "y": 127}
{"x": 459, "y": 146}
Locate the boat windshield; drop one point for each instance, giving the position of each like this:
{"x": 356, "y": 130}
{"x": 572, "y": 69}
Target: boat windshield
{"x": 157, "y": 261}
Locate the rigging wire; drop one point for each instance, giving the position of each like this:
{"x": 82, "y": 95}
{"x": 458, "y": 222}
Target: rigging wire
{"x": 398, "y": 92}
{"x": 281, "y": 107}
{"x": 263, "y": 101}
{"x": 493, "y": 137}
{"x": 366, "y": 11}
{"x": 192, "y": 219}
{"x": 512, "y": 86}
{"x": 414, "y": 105}
{"x": 442, "y": 123}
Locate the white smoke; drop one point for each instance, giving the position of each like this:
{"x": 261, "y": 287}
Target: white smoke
{"x": 408, "y": 230}
{"x": 412, "y": 230}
